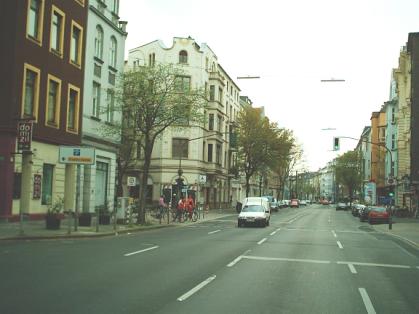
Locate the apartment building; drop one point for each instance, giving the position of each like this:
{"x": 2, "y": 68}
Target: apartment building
{"x": 378, "y": 152}
{"x": 402, "y": 77}
{"x": 43, "y": 60}
{"x": 104, "y": 62}
{"x": 204, "y": 154}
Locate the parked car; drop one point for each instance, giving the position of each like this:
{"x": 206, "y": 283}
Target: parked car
{"x": 287, "y": 203}
{"x": 363, "y": 213}
{"x": 342, "y": 205}
{"x": 294, "y": 203}
{"x": 303, "y": 203}
{"x": 274, "y": 206}
{"x": 356, "y": 208}
{"x": 378, "y": 214}
{"x": 255, "y": 211}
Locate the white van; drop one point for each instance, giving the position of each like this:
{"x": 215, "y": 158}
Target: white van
{"x": 255, "y": 210}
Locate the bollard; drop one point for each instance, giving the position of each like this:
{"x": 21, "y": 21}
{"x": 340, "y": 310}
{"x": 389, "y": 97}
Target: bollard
{"x": 390, "y": 223}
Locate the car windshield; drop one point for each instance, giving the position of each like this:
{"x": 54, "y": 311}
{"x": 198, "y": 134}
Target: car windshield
{"x": 252, "y": 208}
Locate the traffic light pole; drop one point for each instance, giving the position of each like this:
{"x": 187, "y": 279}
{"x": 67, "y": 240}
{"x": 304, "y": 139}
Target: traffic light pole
{"x": 390, "y": 223}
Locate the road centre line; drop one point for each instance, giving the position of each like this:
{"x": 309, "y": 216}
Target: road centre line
{"x": 339, "y": 244}
{"x": 196, "y": 288}
{"x": 263, "y": 240}
{"x": 215, "y": 231}
{"x": 141, "y": 251}
{"x": 352, "y": 269}
{"x": 334, "y": 234}
{"x": 367, "y": 301}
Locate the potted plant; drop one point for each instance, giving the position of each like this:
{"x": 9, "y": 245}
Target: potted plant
{"x": 104, "y": 215}
{"x": 54, "y": 214}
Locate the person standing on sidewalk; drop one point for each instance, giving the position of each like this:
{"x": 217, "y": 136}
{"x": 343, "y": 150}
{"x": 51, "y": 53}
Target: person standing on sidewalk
{"x": 162, "y": 206}
{"x": 190, "y": 205}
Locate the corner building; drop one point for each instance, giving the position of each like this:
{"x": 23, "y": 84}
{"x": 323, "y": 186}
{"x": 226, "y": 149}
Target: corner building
{"x": 206, "y": 154}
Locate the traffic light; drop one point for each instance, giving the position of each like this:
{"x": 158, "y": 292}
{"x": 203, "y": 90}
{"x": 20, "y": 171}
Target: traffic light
{"x": 336, "y": 143}
{"x": 391, "y": 194}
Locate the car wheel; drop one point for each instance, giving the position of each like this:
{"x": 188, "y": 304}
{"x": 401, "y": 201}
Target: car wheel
{"x": 263, "y": 223}
{"x": 267, "y": 222}
{"x": 239, "y": 224}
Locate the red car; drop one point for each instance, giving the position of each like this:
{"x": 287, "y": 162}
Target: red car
{"x": 294, "y": 203}
{"x": 378, "y": 214}
{"x": 325, "y": 202}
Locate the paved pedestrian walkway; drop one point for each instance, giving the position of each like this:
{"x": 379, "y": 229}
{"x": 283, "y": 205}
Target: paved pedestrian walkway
{"x": 37, "y": 229}
{"x": 406, "y": 229}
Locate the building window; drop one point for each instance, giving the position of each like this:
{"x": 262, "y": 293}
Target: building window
{"x": 212, "y": 92}
{"x": 73, "y": 108}
{"x": 211, "y": 122}
{"x": 179, "y": 148}
{"x": 183, "y": 56}
{"x": 99, "y": 42}
{"x": 183, "y": 84}
{"x": 57, "y": 31}
{"x": 97, "y": 70}
{"x": 76, "y": 44}
{"x": 393, "y": 115}
{"x": 34, "y": 20}
{"x": 220, "y": 95}
{"x": 115, "y": 6}
{"x": 47, "y": 177}
{"x": 218, "y": 154}
{"x": 151, "y": 59}
{"x": 112, "y": 52}
{"x": 210, "y": 152}
{"x": 219, "y": 123}
{"x": 30, "y": 92}
{"x": 96, "y": 100}
{"x": 110, "y": 106}
{"x": 111, "y": 78}
{"x": 393, "y": 141}
{"x": 53, "y": 101}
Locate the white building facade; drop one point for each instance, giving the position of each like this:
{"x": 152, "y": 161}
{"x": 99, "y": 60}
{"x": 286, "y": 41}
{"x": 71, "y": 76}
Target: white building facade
{"x": 206, "y": 153}
{"x": 104, "y": 62}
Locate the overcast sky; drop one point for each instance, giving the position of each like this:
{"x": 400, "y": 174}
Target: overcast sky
{"x": 292, "y": 45}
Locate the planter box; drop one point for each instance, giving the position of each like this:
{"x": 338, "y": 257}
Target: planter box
{"x": 85, "y": 219}
{"x": 53, "y": 222}
{"x": 105, "y": 219}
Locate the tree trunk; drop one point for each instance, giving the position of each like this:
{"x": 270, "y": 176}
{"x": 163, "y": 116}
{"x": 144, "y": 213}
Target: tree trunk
{"x": 247, "y": 185}
{"x": 144, "y": 178}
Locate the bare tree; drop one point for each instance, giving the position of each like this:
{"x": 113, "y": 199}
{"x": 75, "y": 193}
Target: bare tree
{"x": 151, "y": 99}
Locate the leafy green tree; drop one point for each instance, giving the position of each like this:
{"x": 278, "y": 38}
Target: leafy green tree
{"x": 150, "y": 100}
{"x": 348, "y": 169}
{"x": 254, "y": 136}
{"x": 282, "y": 158}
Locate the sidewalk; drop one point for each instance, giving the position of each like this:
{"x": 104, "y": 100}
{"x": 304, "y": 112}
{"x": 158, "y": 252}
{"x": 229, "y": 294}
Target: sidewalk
{"x": 33, "y": 230}
{"x": 406, "y": 229}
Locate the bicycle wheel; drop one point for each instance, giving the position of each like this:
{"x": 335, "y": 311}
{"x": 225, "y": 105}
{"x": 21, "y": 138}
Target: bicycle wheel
{"x": 194, "y": 216}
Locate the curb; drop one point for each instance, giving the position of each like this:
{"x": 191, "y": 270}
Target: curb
{"x": 410, "y": 242}
{"x": 105, "y": 234}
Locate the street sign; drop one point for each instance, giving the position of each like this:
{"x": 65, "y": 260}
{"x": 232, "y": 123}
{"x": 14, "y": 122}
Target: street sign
{"x": 131, "y": 181}
{"x": 76, "y": 155}
{"x": 24, "y": 135}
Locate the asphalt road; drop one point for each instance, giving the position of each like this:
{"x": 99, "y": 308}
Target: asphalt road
{"x": 309, "y": 260}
